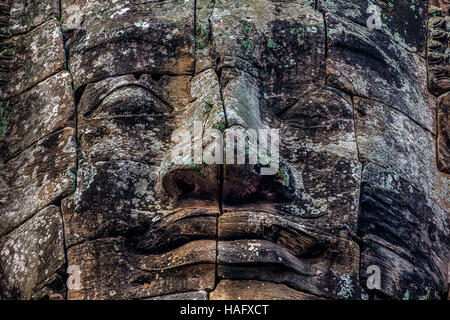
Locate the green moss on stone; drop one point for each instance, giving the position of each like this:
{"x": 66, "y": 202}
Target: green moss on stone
{"x": 427, "y": 294}
{"x": 202, "y": 36}
{"x": 4, "y": 118}
{"x": 73, "y": 180}
{"x": 247, "y": 44}
{"x": 220, "y": 126}
{"x": 272, "y": 44}
{"x": 406, "y": 296}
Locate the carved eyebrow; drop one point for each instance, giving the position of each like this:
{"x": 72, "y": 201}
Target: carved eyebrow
{"x": 364, "y": 47}
{"x": 122, "y": 86}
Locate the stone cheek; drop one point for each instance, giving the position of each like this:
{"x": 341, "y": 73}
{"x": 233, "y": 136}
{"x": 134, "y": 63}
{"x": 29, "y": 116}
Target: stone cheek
{"x": 32, "y": 262}
{"x": 37, "y": 113}
{"x": 36, "y": 56}
{"x": 395, "y": 217}
{"x": 319, "y": 131}
{"x": 36, "y": 178}
{"x": 403, "y": 202}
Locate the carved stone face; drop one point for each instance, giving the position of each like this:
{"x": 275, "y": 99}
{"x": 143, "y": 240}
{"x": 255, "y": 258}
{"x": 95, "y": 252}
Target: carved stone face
{"x": 140, "y": 225}
{"x": 356, "y": 182}
{"x": 157, "y": 227}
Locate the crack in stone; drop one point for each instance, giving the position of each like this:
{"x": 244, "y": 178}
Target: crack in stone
{"x": 66, "y": 261}
{"x": 326, "y": 36}
{"x": 76, "y": 140}
{"x": 221, "y": 167}
{"x": 195, "y": 38}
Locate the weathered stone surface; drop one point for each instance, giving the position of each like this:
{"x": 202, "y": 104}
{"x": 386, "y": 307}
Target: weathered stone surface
{"x": 272, "y": 76}
{"x": 388, "y": 138}
{"x": 36, "y": 178}
{"x": 123, "y": 122}
{"x": 438, "y": 57}
{"x": 256, "y": 290}
{"x": 197, "y": 175}
{"x": 266, "y": 38}
{"x": 404, "y": 203}
{"x": 369, "y": 64}
{"x": 119, "y": 197}
{"x": 392, "y": 141}
{"x": 154, "y": 208}
{"x": 46, "y": 108}
{"x": 195, "y": 295}
{"x": 441, "y": 5}
{"x": 128, "y": 186}
{"x": 404, "y": 21}
{"x": 118, "y": 107}
{"x": 37, "y": 151}
{"x": 319, "y": 157}
{"x": 5, "y": 10}
{"x": 287, "y": 253}
{"x": 401, "y": 237}
{"x": 253, "y": 103}
{"x": 32, "y": 258}
{"x": 110, "y": 269}
{"x": 320, "y": 149}
{"x": 116, "y": 38}
{"x": 443, "y": 143}
{"x": 31, "y": 58}
{"x": 203, "y": 50}
{"x": 26, "y": 15}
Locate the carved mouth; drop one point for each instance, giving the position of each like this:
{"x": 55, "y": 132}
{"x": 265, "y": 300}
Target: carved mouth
{"x": 235, "y": 240}
{"x": 237, "y": 245}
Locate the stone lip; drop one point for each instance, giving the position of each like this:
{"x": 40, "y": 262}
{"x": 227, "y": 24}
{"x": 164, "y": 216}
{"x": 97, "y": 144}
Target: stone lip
{"x": 250, "y": 252}
{"x": 147, "y": 233}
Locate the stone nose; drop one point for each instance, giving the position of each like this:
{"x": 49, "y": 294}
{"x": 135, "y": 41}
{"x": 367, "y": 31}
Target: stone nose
{"x": 253, "y": 169}
{"x": 225, "y": 152}
{"x": 237, "y": 165}
{"x": 263, "y": 175}
{"x": 242, "y": 176}
{"x": 193, "y": 181}
{"x": 192, "y": 168}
